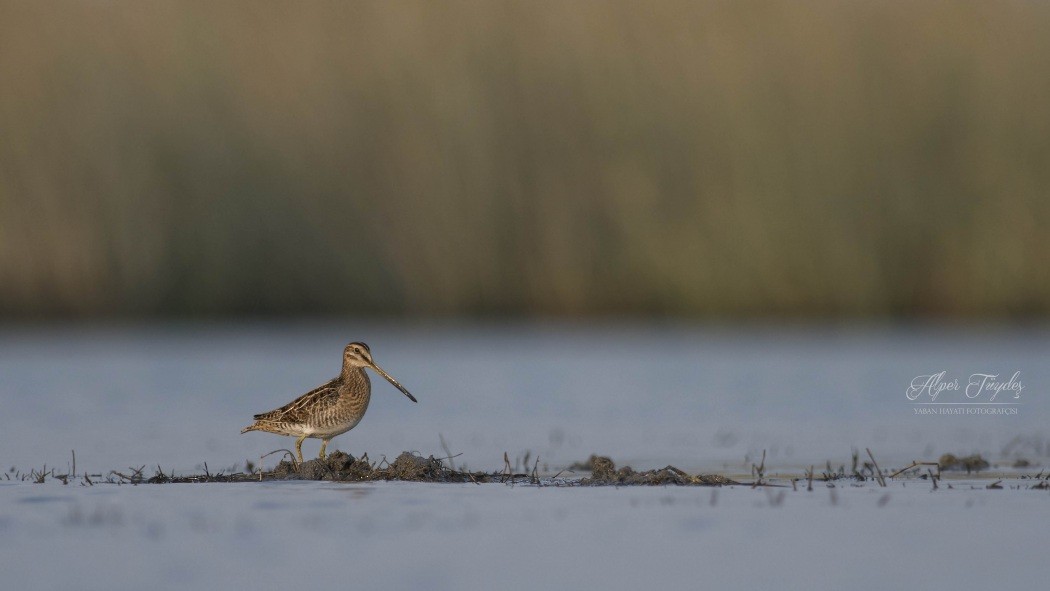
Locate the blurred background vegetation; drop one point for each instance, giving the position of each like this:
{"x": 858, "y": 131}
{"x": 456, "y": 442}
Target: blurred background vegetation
{"x": 674, "y": 158}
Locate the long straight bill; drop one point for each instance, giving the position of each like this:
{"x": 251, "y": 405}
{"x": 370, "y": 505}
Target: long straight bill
{"x": 391, "y": 379}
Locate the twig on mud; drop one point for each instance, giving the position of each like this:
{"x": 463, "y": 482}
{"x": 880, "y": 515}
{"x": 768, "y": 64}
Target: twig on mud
{"x": 136, "y": 475}
{"x": 914, "y": 463}
{"x": 448, "y": 452}
{"x": 506, "y": 468}
{"x": 809, "y": 479}
{"x": 759, "y": 470}
{"x": 882, "y": 479}
{"x": 932, "y": 478}
{"x": 757, "y": 484}
{"x": 560, "y": 471}
{"x": 74, "y": 470}
{"x": 287, "y": 452}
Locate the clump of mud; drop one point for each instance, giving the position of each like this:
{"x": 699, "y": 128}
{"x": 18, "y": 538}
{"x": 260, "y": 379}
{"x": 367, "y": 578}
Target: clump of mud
{"x": 604, "y": 472}
{"x": 587, "y": 466}
{"x": 339, "y": 466}
{"x": 974, "y": 463}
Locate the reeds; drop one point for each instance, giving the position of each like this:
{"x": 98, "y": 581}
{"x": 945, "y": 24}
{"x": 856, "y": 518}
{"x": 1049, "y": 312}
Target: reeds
{"x": 679, "y": 158}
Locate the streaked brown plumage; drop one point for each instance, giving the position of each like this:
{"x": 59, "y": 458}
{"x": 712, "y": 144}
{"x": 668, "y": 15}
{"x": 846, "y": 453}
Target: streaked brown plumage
{"x": 330, "y": 409}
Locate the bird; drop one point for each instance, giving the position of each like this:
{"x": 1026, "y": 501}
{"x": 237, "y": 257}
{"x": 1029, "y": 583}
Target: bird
{"x": 330, "y": 409}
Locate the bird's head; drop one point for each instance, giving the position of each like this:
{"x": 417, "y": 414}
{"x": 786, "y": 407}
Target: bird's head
{"x": 359, "y": 355}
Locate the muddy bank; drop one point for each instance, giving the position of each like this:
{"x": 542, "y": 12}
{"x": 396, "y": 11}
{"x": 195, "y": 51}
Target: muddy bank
{"x": 409, "y": 467}
{"x": 414, "y": 468}
{"x": 604, "y": 472}
{"x": 342, "y": 467}
{"x": 971, "y": 463}
{"x": 338, "y": 466}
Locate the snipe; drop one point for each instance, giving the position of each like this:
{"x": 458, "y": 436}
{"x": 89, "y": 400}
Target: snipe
{"x": 328, "y": 410}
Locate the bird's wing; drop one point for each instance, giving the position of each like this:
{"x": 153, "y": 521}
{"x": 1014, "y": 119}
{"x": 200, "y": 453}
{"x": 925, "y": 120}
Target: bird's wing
{"x": 309, "y": 403}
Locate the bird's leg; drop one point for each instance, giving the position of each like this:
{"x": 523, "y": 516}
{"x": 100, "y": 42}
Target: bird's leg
{"x": 324, "y": 444}
{"x": 299, "y": 448}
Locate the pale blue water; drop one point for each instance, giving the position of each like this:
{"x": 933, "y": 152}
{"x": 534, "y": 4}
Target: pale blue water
{"x": 694, "y": 396}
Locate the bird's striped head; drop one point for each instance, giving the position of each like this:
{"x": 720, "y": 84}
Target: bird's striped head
{"x": 358, "y": 355}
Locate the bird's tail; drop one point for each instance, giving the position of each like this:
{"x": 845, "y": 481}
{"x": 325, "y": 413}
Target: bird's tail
{"x": 252, "y": 427}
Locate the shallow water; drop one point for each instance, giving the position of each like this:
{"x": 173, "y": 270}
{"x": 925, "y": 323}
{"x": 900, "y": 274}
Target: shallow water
{"x": 701, "y": 398}
{"x": 708, "y": 398}
{"x": 429, "y": 536}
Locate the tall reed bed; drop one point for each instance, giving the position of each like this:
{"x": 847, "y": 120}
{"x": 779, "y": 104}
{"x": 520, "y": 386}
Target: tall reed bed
{"x": 810, "y": 158}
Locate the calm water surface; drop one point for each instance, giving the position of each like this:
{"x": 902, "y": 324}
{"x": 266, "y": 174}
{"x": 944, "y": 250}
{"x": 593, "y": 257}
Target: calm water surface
{"x": 697, "y": 397}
